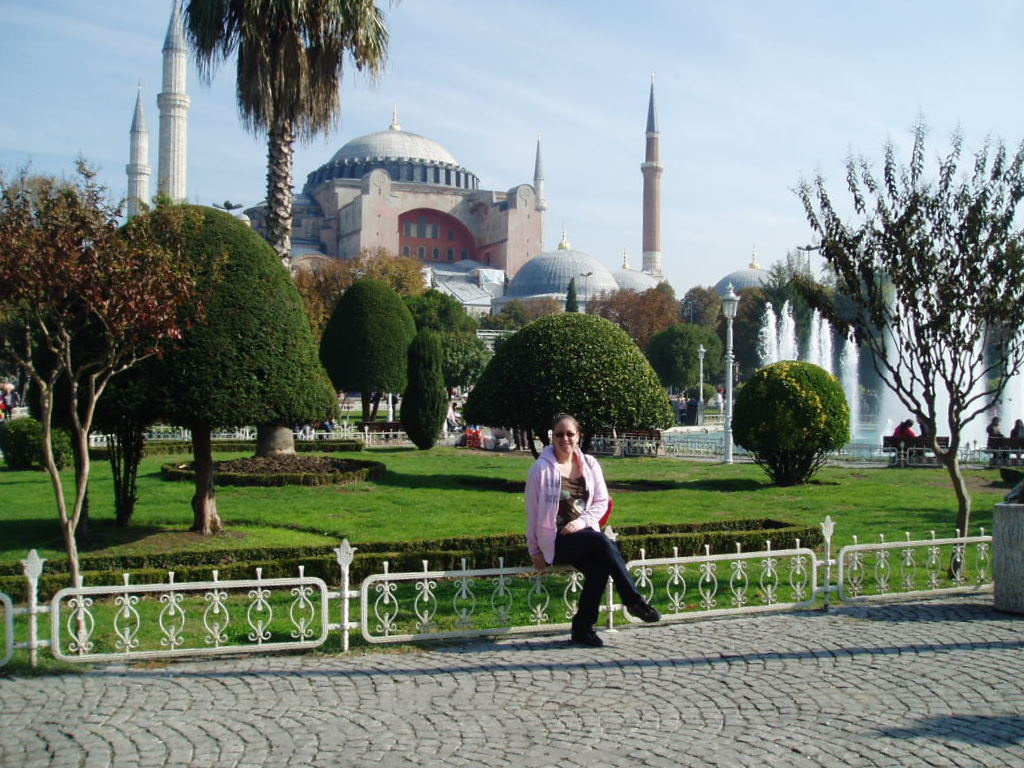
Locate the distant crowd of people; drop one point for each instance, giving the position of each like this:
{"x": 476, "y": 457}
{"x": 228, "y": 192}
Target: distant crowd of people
{"x": 906, "y": 429}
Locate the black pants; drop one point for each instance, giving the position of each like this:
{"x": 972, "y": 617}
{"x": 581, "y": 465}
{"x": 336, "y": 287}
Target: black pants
{"x": 596, "y": 557}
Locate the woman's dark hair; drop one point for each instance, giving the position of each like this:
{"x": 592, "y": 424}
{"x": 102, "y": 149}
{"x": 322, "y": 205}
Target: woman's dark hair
{"x": 562, "y": 417}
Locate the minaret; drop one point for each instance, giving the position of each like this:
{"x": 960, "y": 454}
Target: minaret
{"x": 174, "y": 103}
{"x": 651, "y": 169}
{"x": 138, "y": 160}
{"x": 538, "y": 180}
{"x": 538, "y": 190}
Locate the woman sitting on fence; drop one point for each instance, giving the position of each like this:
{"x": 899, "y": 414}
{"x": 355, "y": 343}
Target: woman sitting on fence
{"x": 566, "y": 496}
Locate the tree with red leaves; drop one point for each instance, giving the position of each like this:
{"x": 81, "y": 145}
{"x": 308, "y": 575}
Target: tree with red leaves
{"x": 88, "y": 296}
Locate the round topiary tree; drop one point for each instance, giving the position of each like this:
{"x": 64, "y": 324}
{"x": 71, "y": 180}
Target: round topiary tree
{"x": 425, "y": 401}
{"x": 789, "y": 416}
{"x": 572, "y": 363}
{"x": 366, "y": 341}
{"x": 252, "y": 361}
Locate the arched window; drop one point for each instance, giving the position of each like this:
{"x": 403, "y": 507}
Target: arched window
{"x": 421, "y": 252}
{"x": 437, "y": 254}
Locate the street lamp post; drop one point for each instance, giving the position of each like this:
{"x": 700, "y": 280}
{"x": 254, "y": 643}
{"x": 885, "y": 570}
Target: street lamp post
{"x": 730, "y": 302}
{"x": 700, "y": 383}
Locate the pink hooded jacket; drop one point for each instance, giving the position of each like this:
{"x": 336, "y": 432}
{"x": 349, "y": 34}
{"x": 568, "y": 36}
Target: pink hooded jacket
{"x": 543, "y": 490}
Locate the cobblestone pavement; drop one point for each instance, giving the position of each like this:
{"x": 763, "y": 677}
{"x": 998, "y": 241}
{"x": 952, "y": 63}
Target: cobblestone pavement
{"x": 938, "y": 683}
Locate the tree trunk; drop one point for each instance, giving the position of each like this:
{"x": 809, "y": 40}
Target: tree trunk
{"x": 82, "y": 530}
{"x": 951, "y": 460}
{"x": 204, "y": 502}
{"x": 280, "y": 147}
{"x": 274, "y": 440}
{"x": 365, "y": 397}
{"x": 129, "y": 441}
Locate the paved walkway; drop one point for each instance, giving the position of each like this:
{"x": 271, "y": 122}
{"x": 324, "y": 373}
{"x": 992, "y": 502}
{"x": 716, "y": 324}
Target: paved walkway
{"x": 925, "y": 684}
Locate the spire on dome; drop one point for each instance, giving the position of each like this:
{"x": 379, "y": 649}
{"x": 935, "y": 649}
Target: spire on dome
{"x": 625, "y": 258}
{"x": 753, "y": 260}
{"x": 175, "y": 39}
{"x": 394, "y": 120}
{"x": 564, "y": 244}
{"x": 652, "y": 112}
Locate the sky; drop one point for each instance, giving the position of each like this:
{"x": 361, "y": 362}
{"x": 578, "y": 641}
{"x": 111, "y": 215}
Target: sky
{"x": 752, "y": 97}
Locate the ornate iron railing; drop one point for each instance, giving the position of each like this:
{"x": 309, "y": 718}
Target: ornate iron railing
{"x": 893, "y": 568}
{"x": 737, "y": 582}
{"x": 139, "y": 621}
{"x": 419, "y": 605}
{"x": 145, "y": 621}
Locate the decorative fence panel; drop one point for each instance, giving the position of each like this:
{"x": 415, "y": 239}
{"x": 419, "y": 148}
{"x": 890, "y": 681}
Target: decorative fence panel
{"x": 145, "y": 621}
{"x": 895, "y": 568}
{"x": 419, "y": 605}
{"x": 142, "y": 621}
{"x": 707, "y": 585}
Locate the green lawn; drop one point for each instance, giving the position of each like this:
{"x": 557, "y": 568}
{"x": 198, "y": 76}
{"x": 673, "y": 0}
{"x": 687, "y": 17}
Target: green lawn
{"x": 453, "y": 492}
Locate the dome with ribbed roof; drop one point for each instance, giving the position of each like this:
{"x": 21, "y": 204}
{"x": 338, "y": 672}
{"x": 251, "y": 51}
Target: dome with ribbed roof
{"x": 751, "y": 277}
{"x": 549, "y": 273}
{"x": 407, "y": 157}
{"x": 394, "y": 143}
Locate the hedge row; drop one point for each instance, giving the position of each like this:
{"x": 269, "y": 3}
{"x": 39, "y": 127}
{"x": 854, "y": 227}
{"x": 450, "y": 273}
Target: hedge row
{"x": 440, "y": 554}
{"x": 368, "y": 470}
{"x": 176, "y": 447}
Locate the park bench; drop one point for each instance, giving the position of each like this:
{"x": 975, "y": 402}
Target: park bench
{"x": 912, "y": 451}
{"x": 1003, "y": 451}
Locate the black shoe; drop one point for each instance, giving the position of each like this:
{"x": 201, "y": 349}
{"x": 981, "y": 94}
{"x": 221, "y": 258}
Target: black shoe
{"x": 587, "y": 637}
{"x": 644, "y": 611}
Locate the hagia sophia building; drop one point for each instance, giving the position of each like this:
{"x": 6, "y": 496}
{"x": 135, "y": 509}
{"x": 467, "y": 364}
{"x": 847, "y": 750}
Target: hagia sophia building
{"x": 409, "y": 195}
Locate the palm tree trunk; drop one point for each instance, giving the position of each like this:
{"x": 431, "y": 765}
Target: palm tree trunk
{"x": 280, "y": 148}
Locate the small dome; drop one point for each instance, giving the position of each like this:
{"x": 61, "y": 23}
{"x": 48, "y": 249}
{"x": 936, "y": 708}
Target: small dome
{"x": 631, "y": 280}
{"x": 751, "y": 277}
{"x": 549, "y": 273}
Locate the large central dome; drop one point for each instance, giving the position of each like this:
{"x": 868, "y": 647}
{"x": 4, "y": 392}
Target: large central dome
{"x": 407, "y": 157}
{"x": 393, "y": 144}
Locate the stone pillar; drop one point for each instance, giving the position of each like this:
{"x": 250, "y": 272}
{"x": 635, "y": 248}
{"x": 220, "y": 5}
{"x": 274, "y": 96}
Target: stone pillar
{"x": 1008, "y": 557}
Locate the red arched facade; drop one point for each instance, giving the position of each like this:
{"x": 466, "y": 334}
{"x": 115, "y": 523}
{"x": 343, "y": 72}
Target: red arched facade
{"x": 434, "y": 236}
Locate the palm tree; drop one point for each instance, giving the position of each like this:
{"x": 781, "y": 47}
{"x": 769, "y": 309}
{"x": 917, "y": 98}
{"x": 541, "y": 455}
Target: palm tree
{"x": 290, "y": 57}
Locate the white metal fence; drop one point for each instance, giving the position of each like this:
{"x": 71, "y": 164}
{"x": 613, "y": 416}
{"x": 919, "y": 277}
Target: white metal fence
{"x": 171, "y": 619}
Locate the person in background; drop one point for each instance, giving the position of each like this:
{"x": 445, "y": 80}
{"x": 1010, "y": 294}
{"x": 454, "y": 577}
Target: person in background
{"x": 566, "y": 497}
{"x": 1018, "y": 429}
{"x": 905, "y": 429}
{"x": 992, "y": 430}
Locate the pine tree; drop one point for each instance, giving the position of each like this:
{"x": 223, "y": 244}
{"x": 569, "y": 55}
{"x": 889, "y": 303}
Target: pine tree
{"x": 425, "y": 401}
{"x": 572, "y": 304}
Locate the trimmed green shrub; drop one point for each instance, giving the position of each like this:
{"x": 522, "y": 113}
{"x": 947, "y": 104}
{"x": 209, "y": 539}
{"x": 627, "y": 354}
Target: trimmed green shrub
{"x": 579, "y": 364}
{"x": 253, "y": 360}
{"x": 366, "y": 341}
{"x": 790, "y": 415}
{"x": 425, "y": 401}
{"x": 21, "y": 441}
